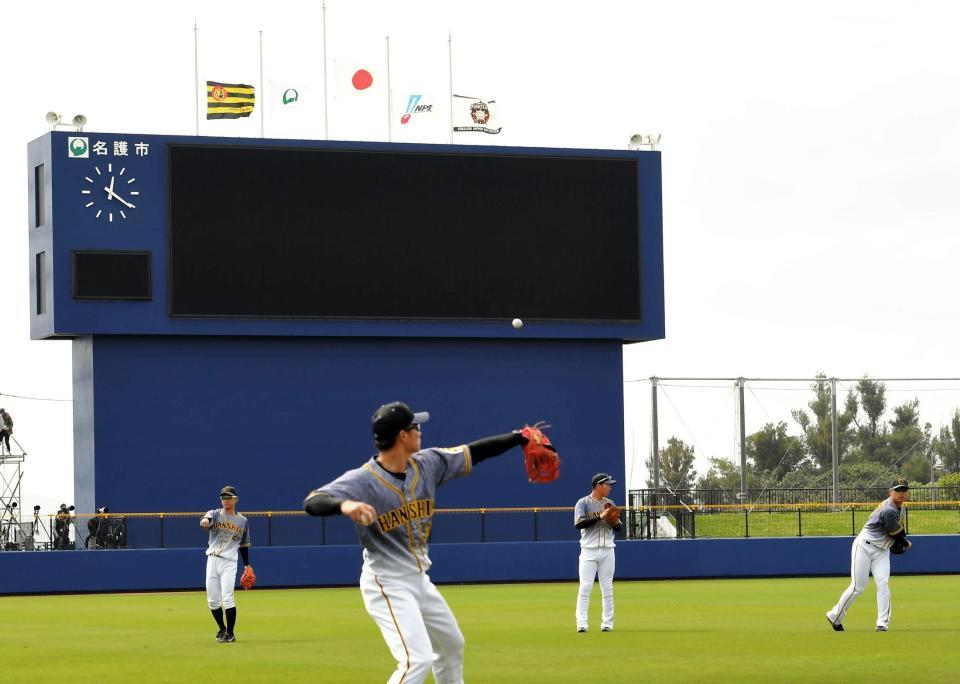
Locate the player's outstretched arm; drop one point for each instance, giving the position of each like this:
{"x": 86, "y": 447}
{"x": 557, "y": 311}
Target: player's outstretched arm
{"x": 488, "y": 447}
{"x": 205, "y": 521}
{"x": 321, "y": 503}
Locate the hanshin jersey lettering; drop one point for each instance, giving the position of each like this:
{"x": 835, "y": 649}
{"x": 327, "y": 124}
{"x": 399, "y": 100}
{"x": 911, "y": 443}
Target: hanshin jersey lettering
{"x": 396, "y": 543}
{"x": 228, "y": 532}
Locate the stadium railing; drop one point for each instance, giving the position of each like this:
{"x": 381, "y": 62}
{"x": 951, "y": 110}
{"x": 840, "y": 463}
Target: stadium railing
{"x": 469, "y": 525}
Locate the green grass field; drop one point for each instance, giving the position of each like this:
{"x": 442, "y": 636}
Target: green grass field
{"x": 815, "y": 523}
{"x": 666, "y": 631}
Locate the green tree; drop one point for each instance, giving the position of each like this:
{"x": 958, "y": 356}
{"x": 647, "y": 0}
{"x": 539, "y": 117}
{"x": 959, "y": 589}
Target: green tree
{"x": 916, "y": 468}
{"x": 949, "y": 485}
{"x": 725, "y": 474}
{"x": 818, "y": 430}
{"x": 906, "y": 436}
{"x": 871, "y": 436}
{"x": 773, "y": 452}
{"x": 865, "y": 474}
{"x": 676, "y": 465}
{"x": 807, "y": 478}
{"x": 946, "y": 445}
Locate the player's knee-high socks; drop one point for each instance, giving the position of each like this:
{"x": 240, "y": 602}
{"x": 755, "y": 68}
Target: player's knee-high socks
{"x": 231, "y": 619}
{"x": 218, "y": 616}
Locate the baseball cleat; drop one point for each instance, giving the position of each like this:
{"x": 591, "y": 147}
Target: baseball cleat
{"x": 606, "y": 629}
{"x": 881, "y": 628}
{"x": 222, "y": 633}
{"x": 229, "y": 638}
{"x": 836, "y": 627}
{"x": 581, "y": 628}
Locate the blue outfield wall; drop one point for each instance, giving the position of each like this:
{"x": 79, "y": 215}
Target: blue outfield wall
{"x": 26, "y": 572}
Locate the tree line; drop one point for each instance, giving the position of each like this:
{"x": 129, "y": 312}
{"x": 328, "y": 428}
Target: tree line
{"x": 874, "y": 446}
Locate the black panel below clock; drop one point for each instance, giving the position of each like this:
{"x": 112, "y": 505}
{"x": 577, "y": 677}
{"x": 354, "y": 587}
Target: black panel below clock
{"x": 111, "y": 275}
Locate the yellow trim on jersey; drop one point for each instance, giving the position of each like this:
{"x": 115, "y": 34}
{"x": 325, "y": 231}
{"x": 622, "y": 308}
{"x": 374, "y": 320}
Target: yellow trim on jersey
{"x": 467, "y": 460}
{"x": 396, "y": 624}
{"x": 403, "y": 498}
{"x": 410, "y": 511}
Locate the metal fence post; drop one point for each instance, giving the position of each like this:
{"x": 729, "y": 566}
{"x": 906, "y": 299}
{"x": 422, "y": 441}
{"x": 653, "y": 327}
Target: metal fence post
{"x": 483, "y": 524}
{"x": 269, "y": 528}
{"x": 536, "y": 536}
{"x": 799, "y": 521}
{"x": 161, "y": 531}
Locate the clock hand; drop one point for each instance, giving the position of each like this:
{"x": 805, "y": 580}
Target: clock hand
{"x": 111, "y": 194}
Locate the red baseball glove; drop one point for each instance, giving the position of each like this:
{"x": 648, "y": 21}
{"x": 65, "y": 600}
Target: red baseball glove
{"x": 248, "y": 579}
{"x": 610, "y": 514}
{"x": 539, "y": 455}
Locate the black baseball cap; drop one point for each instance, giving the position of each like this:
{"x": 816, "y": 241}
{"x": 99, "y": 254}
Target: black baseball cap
{"x": 229, "y": 490}
{"x": 900, "y": 485}
{"x": 602, "y": 478}
{"x": 390, "y": 419}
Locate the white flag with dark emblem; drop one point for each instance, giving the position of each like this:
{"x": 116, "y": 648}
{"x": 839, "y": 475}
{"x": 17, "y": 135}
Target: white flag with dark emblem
{"x": 474, "y": 115}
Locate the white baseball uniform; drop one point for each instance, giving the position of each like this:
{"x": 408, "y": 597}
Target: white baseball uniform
{"x": 228, "y": 532}
{"x": 871, "y": 555}
{"x": 597, "y": 560}
{"x": 413, "y": 617}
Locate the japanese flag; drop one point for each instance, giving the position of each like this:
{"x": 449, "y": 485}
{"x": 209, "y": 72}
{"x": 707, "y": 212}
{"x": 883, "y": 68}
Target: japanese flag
{"x": 361, "y": 101}
{"x": 359, "y": 79}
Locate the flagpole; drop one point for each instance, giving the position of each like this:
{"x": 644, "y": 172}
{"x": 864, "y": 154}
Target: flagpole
{"x": 450, "y": 74}
{"x": 196, "y": 80}
{"x": 389, "y": 113}
{"x": 326, "y": 128}
{"x": 263, "y": 89}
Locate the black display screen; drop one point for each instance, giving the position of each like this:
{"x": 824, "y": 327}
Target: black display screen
{"x": 111, "y": 275}
{"x": 264, "y": 232}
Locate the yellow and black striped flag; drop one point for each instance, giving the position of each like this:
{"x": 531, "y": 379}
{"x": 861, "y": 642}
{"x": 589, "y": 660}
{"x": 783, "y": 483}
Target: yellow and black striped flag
{"x": 229, "y": 100}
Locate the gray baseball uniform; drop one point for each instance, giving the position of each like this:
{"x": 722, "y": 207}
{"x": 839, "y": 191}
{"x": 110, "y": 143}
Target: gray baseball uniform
{"x": 871, "y": 555}
{"x": 597, "y": 560}
{"x": 228, "y": 532}
{"x": 396, "y": 544}
{"x": 596, "y": 536}
{"x": 414, "y": 619}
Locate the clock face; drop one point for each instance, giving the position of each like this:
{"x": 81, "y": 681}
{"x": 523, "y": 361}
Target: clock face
{"x": 110, "y": 191}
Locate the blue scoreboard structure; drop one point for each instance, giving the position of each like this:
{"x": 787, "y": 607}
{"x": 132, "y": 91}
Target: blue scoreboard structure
{"x": 238, "y": 308}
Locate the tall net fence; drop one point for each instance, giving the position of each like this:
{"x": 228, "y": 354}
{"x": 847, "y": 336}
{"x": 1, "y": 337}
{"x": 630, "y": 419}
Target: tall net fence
{"x": 744, "y": 439}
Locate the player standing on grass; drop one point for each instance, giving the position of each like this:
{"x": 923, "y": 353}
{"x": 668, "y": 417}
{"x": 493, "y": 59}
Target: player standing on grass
{"x": 229, "y": 533}
{"x": 882, "y": 534}
{"x": 390, "y": 498}
{"x": 598, "y": 519}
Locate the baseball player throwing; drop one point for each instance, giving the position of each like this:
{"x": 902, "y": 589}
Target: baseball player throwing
{"x": 871, "y": 554}
{"x": 229, "y": 533}
{"x": 390, "y": 498}
{"x": 597, "y": 530}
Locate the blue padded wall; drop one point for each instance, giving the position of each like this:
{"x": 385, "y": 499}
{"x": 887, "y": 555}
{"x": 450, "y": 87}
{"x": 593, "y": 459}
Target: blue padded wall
{"x": 156, "y": 569}
{"x": 176, "y": 418}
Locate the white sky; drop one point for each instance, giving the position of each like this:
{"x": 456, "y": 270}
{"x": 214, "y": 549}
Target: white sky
{"x": 811, "y": 160}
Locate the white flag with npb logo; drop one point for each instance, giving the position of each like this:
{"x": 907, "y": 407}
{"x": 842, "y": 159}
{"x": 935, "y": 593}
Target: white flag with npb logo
{"x": 417, "y": 117}
{"x": 474, "y": 115}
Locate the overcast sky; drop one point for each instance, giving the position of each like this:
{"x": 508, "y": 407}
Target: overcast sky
{"x": 811, "y": 160}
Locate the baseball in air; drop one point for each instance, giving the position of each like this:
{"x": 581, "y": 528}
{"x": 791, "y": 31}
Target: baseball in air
{"x": 517, "y": 323}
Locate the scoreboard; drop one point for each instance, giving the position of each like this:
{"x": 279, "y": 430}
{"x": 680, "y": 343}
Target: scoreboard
{"x": 182, "y": 235}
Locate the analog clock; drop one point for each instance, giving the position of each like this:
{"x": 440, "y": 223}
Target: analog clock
{"x": 110, "y": 191}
